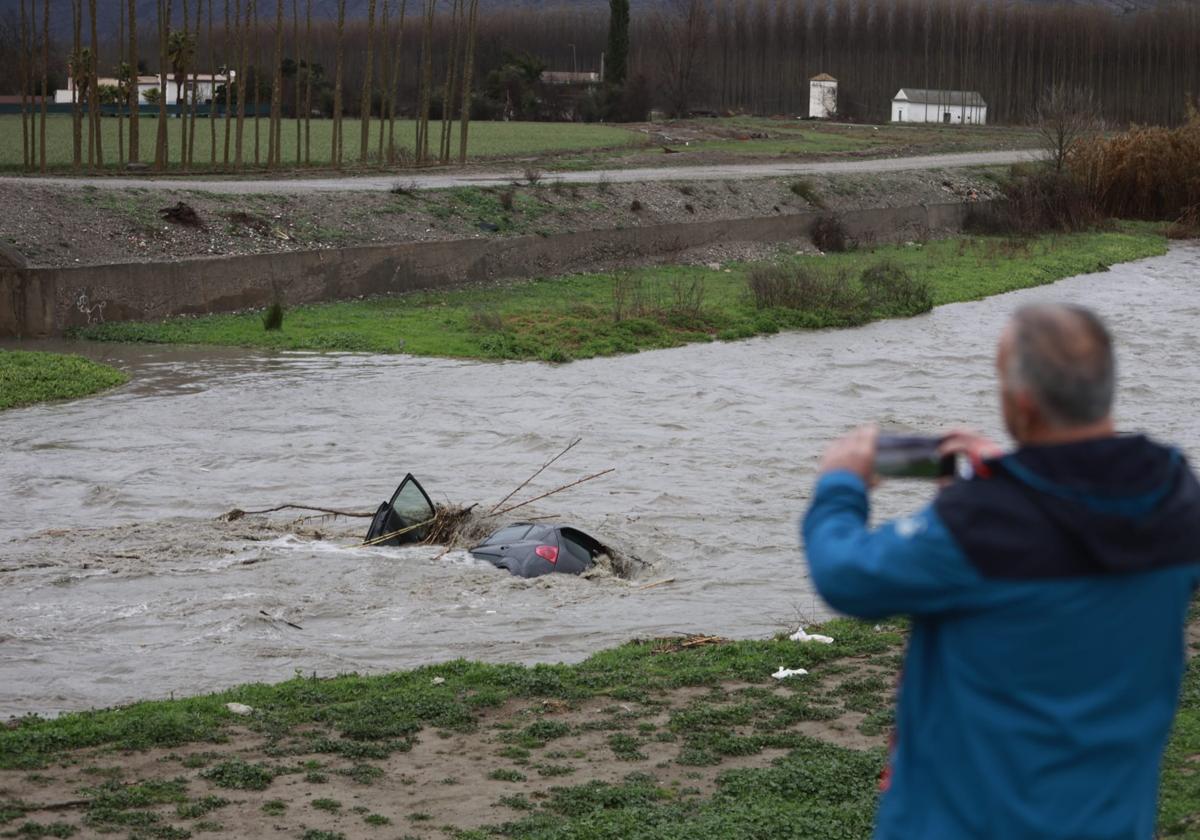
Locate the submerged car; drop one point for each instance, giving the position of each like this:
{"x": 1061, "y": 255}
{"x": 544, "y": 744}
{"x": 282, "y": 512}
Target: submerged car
{"x": 405, "y": 518}
{"x": 528, "y": 550}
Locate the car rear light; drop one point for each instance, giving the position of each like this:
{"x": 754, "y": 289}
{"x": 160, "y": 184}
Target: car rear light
{"x": 547, "y": 552}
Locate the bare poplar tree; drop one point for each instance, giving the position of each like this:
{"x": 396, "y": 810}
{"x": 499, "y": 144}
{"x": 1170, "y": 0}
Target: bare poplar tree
{"x": 122, "y": 67}
{"x": 385, "y": 83}
{"x": 45, "y": 81}
{"x": 308, "y": 82}
{"x": 426, "y": 85}
{"x": 257, "y": 84}
{"x": 26, "y": 152}
{"x": 468, "y": 79}
{"x": 275, "y": 147}
{"x": 161, "y": 148}
{"x": 336, "y": 151}
{"x": 178, "y": 45}
{"x": 135, "y": 91}
{"x": 94, "y": 89}
{"x": 364, "y": 102}
{"x": 448, "y": 92}
{"x": 395, "y": 82}
{"x": 1062, "y": 117}
{"x": 212, "y": 93}
{"x": 225, "y": 42}
{"x": 681, "y": 30}
{"x": 296, "y": 51}
{"x": 191, "y": 155}
{"x": 243, "y": 27}
{"x": 77, "y": 62}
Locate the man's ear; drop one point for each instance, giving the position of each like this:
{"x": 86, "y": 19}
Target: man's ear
{"x": 1029, "y": 413}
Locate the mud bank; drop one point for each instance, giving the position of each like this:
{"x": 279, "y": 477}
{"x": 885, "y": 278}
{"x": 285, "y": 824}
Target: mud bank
{"x": 47, "y": 301}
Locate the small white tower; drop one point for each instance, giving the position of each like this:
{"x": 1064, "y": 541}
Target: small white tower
{"x": 822, "y": 97}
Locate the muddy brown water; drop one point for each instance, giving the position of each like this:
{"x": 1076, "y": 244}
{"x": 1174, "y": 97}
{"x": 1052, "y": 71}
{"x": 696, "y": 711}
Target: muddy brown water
{"x": 117, "y": 582}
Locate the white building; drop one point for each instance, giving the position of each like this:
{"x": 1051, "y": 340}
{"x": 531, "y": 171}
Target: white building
{"x": 955, "y": 107}
{"x": 203, "y": 84}
{"x": 822, "y": 97}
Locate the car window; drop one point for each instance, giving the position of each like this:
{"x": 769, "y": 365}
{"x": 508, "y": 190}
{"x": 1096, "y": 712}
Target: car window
{"x": 509, "y": 534}
{"x": 410, "y": 503}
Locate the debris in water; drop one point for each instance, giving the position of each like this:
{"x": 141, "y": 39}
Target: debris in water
{"x": 676, "y": 644}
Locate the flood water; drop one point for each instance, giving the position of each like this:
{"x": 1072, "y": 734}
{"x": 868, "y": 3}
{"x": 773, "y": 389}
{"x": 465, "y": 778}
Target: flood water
{"x": 117, "y": 582}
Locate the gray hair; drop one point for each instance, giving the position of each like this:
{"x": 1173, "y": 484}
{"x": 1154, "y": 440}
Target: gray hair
{"x": 1062, "y": 355}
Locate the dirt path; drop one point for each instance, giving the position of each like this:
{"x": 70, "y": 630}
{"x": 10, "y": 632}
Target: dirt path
{"x": 446, "y": 180}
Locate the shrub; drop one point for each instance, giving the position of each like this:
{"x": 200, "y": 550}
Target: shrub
{"x": 805, "y": 189}
{"x": 533, "y": 175}
{"x": 1036, "y": 200}
{"x": 793, "y": 287}
{"x": 507, "y": 198}
{"x": 890, "y": 290}
{"x": 1187, "y": 226}
{"x": 485, "y": 320}
{"x": 635, "y": 206}
{"x": 829, "y": 234}
{"x": 1143, "y": 173}
{"x": 273, "y": 317}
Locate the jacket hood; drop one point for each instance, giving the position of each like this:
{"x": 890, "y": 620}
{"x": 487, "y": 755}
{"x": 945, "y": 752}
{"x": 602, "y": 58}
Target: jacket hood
{"x": 1127, "y": 502}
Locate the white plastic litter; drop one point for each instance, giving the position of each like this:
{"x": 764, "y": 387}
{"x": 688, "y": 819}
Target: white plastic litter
{"x": 801, "y": 636}
{"x": 438, "y": 680}
{"x": 239, "y": 709}
{"x": 784, "y": 673}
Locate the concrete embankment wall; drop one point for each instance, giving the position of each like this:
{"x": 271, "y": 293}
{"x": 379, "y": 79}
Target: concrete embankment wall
{"x": 37, "y": 302}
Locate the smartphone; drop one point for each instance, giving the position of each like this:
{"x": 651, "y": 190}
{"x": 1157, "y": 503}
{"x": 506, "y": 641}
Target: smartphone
{"x": 912, "y": 456}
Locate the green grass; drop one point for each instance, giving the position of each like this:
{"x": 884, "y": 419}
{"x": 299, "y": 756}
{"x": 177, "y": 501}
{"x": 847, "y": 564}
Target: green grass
{"x": 566, "y": 318}
{"x": 487, "y": 140}
{"x": 815, "y": 789}
{"x": 31, "y": 377}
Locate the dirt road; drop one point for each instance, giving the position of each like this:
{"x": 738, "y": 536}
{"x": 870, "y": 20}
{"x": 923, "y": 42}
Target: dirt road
{"x": 446, "y": 180}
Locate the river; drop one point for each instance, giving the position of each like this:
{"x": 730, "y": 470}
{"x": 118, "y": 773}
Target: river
{"x": 118, "y": 583}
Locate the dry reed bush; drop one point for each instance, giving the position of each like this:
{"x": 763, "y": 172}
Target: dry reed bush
{"x": 794, "y": 287}
{"x": 1187, "y": 226}
{"x": 1144, "y": 173}
{"x": 1036, "y": 201}
{"x": 829, "y": 234}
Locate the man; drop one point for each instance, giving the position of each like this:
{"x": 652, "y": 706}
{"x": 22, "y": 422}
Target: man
{"x": 1048, "y": 597}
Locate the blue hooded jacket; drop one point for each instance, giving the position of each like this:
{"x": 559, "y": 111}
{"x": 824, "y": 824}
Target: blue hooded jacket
{"x": 1043, "y": 671}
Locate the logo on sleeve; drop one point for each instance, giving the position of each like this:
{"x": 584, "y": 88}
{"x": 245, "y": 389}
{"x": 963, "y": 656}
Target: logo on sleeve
{"x": 910, "y": 526}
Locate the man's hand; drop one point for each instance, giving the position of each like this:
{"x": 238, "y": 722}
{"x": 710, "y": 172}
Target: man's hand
{"x": 854, "y": 452}
{"x": 973, "y": 445}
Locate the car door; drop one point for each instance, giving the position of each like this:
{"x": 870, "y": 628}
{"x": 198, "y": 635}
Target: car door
{"x": 411, "y": 508}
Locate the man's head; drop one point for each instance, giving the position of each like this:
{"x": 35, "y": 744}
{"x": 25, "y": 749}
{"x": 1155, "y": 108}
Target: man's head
{"x": 1057, "y": 375}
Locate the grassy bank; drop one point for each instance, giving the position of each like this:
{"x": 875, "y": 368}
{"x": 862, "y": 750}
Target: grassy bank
{"x": 27, "y": 378}
{"x": 603, "y": 314}
{"x": 654, "y": 739}
{"x": 487, "y": 140}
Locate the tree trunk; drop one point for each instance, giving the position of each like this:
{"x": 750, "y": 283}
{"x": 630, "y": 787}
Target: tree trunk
{"x": 395, "y": 82}
{"x": 243, "y": 27}
{"x": 161, "y": 146}
{"x": 308, "y": 83}
{"x": 120, "y": 61}
{"x": 45, "y": 80}
{"x": 468, "y": 79}
{"x": 364, "y": 103}
{"x": 445, "y": 140}
{"x": 181, "y": 112}
{"x": 225, "y": 42}
{"x": 212, "y": 94}
{"x": 426, "y": 88}
{"x": 135, "y": 91}
{"x": 296, "y": 50}
{"x": 385, "y": 82}
{"x": 336, "y": 150}
{"x": 195, "y": 89}
{"x": 273, "y": 153}
{"x": 26, "y": 152}
{"x": 76, "y": 95}
{"x": 257, "y": 85}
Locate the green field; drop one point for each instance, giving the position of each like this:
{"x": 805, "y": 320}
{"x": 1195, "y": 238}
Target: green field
{"x": 27, "y": 378}
{"x": 657, "y": 719}
{"x": 487, "y": 140}
{"x": 582, "y": 316}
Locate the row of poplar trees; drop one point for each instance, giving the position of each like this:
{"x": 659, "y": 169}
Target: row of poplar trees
{"x": 229, "y": 144}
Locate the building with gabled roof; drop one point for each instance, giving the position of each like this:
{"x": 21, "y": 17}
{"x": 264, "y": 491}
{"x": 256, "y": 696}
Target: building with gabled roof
{"x": 951, "y": 107}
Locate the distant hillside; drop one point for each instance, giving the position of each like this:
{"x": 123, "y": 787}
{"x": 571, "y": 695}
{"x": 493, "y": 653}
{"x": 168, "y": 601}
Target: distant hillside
{"x": 108, "y": 10}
